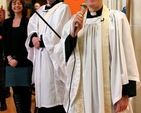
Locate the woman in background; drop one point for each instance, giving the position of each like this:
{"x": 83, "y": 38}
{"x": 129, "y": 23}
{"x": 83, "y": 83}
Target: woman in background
{"x": 18, "y": 67}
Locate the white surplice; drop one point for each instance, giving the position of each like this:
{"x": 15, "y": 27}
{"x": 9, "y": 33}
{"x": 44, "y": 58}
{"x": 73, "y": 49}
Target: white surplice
{"x": 87, "y": 76}
{"x": 49, "y": 89}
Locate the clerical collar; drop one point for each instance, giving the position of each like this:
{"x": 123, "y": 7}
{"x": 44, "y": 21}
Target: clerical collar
{"x": 48, "y": 6}
{"x": 94, "y": 14}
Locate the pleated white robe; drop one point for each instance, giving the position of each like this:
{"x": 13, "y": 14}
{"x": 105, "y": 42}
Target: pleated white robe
{"x": 87, "y": 95}
{"x": 49, "y": 89}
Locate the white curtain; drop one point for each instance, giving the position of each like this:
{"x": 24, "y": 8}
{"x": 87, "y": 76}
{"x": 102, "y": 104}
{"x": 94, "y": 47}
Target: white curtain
{"x": 115, "y": 4}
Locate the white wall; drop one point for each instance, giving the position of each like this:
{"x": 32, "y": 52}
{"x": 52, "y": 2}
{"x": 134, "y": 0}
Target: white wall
{"x": 115, "y": 4}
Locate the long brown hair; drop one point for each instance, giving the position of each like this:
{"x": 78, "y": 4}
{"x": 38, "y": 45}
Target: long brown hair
{"x": 11, "y": 13}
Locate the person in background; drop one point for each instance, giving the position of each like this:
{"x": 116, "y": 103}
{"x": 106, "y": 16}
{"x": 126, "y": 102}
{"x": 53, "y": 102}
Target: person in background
{"x": 3, "y": 105}
{"x": 98, "y": 59}
{"x": 18, "y": 67}
{"x": 36, "y": 6}
{"x": 49, "y": 90}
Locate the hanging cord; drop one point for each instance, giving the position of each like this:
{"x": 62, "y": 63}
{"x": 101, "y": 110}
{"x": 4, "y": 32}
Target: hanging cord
{"x": 71, "y": 79}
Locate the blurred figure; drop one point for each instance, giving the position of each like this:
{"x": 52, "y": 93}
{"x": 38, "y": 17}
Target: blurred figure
{"x": 49, "y": 89}
{"x": 18, "y": 67}
{"x": 36, "y": 6}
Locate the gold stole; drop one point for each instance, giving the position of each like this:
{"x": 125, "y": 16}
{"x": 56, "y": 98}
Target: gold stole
{"x": 79, "y": 100}
{"x": 105, "y": 60}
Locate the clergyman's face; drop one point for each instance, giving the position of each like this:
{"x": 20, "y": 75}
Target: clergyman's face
{"x": 94, "y": 4}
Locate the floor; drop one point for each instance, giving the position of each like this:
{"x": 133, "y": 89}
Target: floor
{"x": 11, "y": 106}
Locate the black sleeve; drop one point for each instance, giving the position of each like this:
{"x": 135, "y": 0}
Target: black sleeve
{"x": 70, "y": 44}
{"x": 129, "y": 89}
{"x": 30, "y": 43}
{"x": 41, "y": 42}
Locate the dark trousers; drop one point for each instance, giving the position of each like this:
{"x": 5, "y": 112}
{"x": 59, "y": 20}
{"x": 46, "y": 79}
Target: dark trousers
{"x": 22, "y": 99}
{"x": 56, "y": 109}
{"x": 2, "y": 86}
{"x": 2, "y": 81}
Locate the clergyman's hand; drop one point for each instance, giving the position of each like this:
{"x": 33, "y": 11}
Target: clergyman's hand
{"x": 36, "y": 42}
{"x": 122, "y": 104}
{"x": 78, "y": 19}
